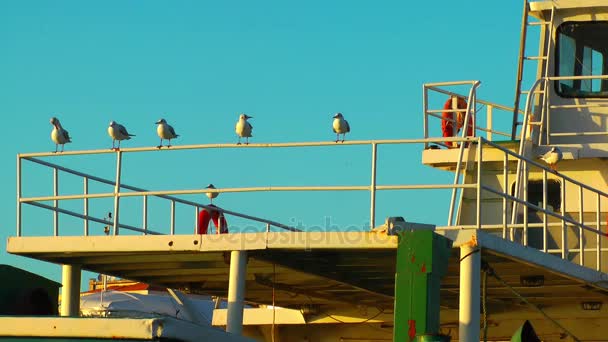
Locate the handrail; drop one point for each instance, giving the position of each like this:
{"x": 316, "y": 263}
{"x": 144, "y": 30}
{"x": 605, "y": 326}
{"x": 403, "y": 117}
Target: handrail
{"x": 484, "y": 102}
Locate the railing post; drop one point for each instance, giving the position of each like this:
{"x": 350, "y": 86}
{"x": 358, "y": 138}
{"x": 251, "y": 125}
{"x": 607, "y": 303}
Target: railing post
{"x": 372, "y": 188}
{"x": 564, "y": 231}
{"x": 197, "y": 208}
{"x": 18, "y": 195}
{"x": 172, "y": 217}
{"x": 489, "y": 109}
{"x": 598, "y": 235}
{"x": 117, "y": 191}
{"x": 525, "y": 193}
{"x": 505, "y": 175}
{"x": 479, "y": 164}
{"x": 145, "y": 215}
{"x": 86, "y": 205}
{"x": 55, "y": 202}
{"x": 425, "y": 105}
{"x": 545, "y": 218}
{"x": 581, "y": 231}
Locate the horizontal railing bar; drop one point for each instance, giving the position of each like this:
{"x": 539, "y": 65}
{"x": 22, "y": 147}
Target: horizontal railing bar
{"x": 543, "y": 167}
{"x": 176, "y": 199}
{"x": 451, "y": 83}
{"x": 477, "y": 128}
{"x": 257, "y": 145}
{"x": 588, "y": 77}
{"x": 487, "y": 103}
{"x": 587, "y": 105}
{"x": 577, "y": 134}
{"x": 250, "y": 189}
{"x": 91, "y": 218}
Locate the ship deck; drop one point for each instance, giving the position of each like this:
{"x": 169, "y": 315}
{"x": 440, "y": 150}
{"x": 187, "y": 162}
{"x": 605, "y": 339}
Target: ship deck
{"x": 321, "y": 271}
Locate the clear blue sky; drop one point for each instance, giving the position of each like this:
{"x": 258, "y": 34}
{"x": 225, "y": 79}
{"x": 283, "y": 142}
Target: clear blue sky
{"x": 199, "y": 64}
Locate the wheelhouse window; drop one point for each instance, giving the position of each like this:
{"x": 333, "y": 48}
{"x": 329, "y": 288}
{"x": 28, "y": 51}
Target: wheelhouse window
{"x": 582, "y": 49}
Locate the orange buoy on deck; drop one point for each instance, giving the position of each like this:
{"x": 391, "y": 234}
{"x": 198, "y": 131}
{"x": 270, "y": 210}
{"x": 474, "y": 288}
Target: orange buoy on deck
{"x": 447, "y": 122}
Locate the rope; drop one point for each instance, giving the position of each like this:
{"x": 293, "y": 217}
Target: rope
{"x": 490, "y": 270}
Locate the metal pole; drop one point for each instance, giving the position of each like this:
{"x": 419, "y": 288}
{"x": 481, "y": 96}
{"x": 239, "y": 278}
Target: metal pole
{"x": 86, "y": 205}
{"x": 70, "y": 290}
{"x": 520, "y": 68}
{"x": 468, "y": 327}
{"x": 505, "y": 175}
{"x": 236, "y": 292}
{"x": 18, "y": 195}
{"x": 564, "y": 231}
{"x": 525, "y": 207}
{"x": 479, "y": 163}
{"x": 598, "y": 237}
{"x": 116, "y": 191}
{"x": 372, "y": 189}
{"x": 545, "y": 223}
{"x": 55, "y": 202}
{"x": 581, "y": 232}
{"x": 425, "y": 98}
{"x": 196, "y": 219}
{"x": 489, "y": 124}
{"x": 172, "y": 217}
{"x": 145, "y": 215}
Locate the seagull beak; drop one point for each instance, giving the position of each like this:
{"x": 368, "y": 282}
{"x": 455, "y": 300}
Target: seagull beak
{"x": 249, "y": 117}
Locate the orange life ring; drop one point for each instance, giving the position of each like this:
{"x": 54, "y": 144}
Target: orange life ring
{"x": 447, "y": 121}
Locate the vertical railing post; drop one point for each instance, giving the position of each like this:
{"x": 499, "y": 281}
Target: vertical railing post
{"x": 55, "y": 202}
{"x": 86, "y": 205}
{"x": 581, "y": 231}
{"x": 117, "y": 191}
{"x": 564, "y": 231}
{"x": 425, "y": 105}
{"x": 145, "y": 215}
{"x": 372, "y": 189}
{"x": 505, "y": 176}
{"x": 489, "y": 124}
{"x": 18, "y": 195}
{"x": 172, "y": 217}
{"x": 197, "y": 208}
{"x": 479, "y": 163}
{"x": 545, "y": 218}
{"x": 525, "y": 207}
{"x": 598, "y": 235}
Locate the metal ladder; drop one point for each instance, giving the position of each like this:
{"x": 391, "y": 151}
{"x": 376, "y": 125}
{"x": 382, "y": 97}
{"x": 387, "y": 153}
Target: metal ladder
{"x": 529, "y": 121}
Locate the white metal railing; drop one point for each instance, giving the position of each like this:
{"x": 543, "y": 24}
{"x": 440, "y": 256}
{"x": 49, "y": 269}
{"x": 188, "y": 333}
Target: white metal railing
{"x": 169, "y": 195}
{"x": 439, "y": 88}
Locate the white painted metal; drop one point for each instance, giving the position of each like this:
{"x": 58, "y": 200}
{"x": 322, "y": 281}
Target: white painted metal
{"x": 55, "y": 202}
{"x": 372, "y": 188}
{"x": 86, "y": 205}
{"x": 144, "y": 223}
{"x": 116, "y": 192}
{"x": 479, "y": 185}
{"x": 468, "y": 313}
{"x": 70, "y": 290}
{"x": 236, "y": 292}
{"x": 172, "y": 218}
{"x": 19, "y": 194}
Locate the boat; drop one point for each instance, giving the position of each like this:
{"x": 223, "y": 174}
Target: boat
{"x": 523, "y": 249}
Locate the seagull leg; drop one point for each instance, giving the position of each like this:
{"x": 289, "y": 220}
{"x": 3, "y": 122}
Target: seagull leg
{"x": 161, "y": 144}
{"x": 113, "y": 148}
{"x": 62, "y": 147}
{"x": 56, "y": 147}
{"x": 168, "y": 146}
{"x": 343, "y": 137}
{"x": 337, "y": 137}
{"x": 246, "y": 140}
{"x": 238, "y": 143}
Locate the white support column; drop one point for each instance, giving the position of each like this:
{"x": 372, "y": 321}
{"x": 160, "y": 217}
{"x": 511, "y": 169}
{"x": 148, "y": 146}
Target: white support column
{"x": 236, "y": 292}
{"x": 470, "y": 268}
{"x": 70, "y": 291}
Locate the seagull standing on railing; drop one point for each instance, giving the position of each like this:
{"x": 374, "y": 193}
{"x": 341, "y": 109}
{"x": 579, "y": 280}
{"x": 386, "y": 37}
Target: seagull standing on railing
{"x": 552, "y": 157}
{"x": 165, "y": 131}
{"x": 243, "y": 128}
{"x": 118, "y": 132}
{"x": 59, "y": 135}
{"x": 211, "y": 195}
{"x": 340, "y": 126}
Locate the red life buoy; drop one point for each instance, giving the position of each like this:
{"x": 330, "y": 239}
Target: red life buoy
{"x": 206, "y": 215}
{"x": 447, "y": 126}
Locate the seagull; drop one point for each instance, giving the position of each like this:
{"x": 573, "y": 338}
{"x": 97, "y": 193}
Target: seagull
{"x": 59, "y": 135}
{"x": 118, "y": 132}
{"x": 340, "y": 126}
{"x": 165, "y": 131}
{"x": 243, "y": 128}
{"x": 211, "y": 195}
{"x": 552, "y": 157}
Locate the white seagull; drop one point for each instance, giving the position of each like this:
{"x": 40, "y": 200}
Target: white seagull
{"x": 59, "y": 135}
{"x": 118, "y": 132}
{"x": 211, "y": 195}
{"x": 552, "y": 157}
{"x": 165, "y": 131}
{"x": 340, "y": 126}
{"x": 243, "y": 128}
